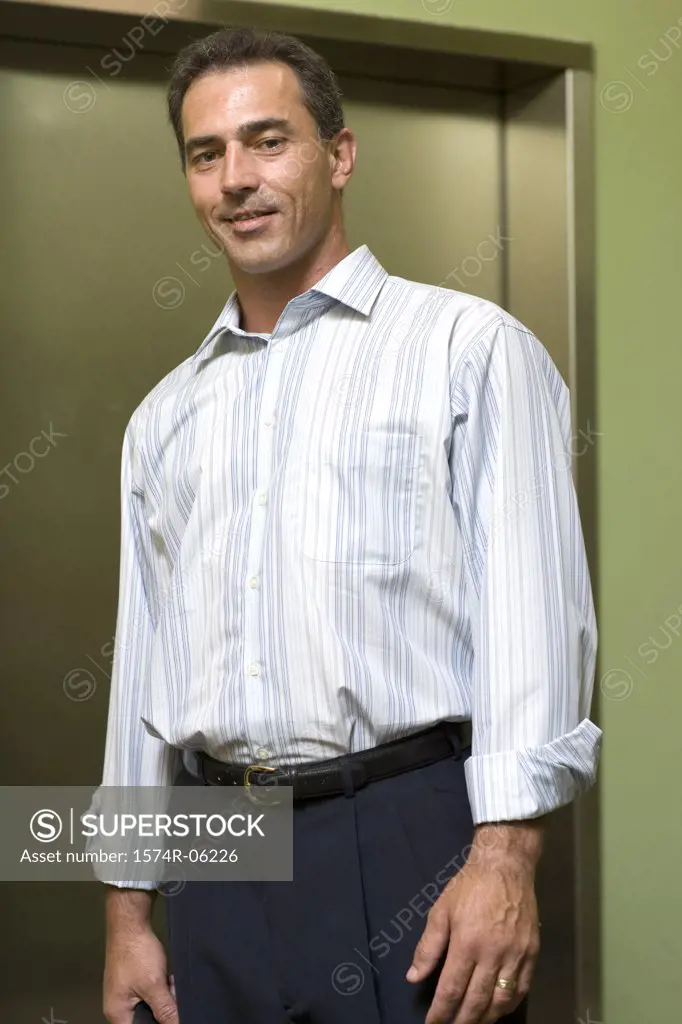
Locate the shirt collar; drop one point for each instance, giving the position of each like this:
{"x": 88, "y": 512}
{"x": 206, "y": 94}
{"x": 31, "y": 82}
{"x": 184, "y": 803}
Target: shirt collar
{"x": 355, "y": 281}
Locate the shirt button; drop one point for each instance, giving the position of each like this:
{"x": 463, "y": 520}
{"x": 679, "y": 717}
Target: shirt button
{"x": 263, "y": 753}
{"x": 254, "y": 668}
{"x": 253, "y": 582}
{"x": 262, "y": 498}
{"x": 269, "y": 420}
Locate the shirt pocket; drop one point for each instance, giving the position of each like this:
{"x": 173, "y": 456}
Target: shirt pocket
{"x": 360, "y": 506}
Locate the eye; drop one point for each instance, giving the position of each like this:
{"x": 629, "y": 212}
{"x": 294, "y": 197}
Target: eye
{"x": 271, "y": 138}
{"x": 200, "y": 158}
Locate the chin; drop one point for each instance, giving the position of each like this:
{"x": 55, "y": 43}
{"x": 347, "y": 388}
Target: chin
{"x": 262, "y": 262}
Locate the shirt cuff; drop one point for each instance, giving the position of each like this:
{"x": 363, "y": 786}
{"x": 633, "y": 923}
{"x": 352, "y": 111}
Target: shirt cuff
{"x": 527, "y": 783}
{"x": 100, "y": 848}
{"x": 147, "y": 886}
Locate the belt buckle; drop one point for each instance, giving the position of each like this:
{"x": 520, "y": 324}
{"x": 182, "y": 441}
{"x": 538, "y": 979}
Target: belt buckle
{"x": 249, "y": 788}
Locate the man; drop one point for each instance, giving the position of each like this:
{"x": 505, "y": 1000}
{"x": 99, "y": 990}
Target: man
{"x": 350, "y": 536}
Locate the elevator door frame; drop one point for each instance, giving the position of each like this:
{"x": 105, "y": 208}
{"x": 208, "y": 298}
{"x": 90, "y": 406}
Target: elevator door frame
{"x": 429, "y": 52}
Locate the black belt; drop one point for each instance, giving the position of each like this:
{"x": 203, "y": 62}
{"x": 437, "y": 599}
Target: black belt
{"x": 343, "y": 774}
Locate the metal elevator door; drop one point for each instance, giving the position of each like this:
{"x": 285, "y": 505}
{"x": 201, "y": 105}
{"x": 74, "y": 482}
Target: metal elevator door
{"x": 108, "y": 282}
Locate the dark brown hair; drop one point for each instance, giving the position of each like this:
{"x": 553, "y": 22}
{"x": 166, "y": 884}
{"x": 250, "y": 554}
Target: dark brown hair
{"x": 231, "y": 48}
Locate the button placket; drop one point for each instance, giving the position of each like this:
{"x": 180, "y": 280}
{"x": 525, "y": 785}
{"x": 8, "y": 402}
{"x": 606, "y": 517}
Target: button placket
{"x": 255, "y": 659}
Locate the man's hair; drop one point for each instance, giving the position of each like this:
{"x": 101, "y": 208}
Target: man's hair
{"x": 239, "y": 48}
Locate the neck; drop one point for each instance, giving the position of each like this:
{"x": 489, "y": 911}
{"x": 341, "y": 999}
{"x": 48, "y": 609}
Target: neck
{"x": 263, "y": 297}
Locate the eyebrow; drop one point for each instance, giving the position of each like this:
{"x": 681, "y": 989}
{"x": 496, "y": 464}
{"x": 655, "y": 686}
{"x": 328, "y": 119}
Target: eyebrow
{"x": 264, "y": 124}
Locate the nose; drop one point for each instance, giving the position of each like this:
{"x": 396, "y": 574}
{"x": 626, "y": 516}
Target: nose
{"x": 239, "y": 171}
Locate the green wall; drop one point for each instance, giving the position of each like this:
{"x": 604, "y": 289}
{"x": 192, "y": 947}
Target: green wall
{"x": 639, "y": 286}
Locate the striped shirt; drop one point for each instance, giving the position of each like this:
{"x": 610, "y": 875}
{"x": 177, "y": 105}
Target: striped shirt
{"x": 352, "y": 528}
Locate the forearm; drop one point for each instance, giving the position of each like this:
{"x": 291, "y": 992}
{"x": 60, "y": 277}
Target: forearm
{"x": 128, "y": 911}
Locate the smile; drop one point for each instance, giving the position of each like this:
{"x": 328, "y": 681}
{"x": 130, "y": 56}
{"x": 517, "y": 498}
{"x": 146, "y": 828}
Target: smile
{"x": 250, "y": 223}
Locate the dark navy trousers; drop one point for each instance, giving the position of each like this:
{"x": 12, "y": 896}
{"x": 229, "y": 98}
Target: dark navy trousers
{"x": 333, "y": 945}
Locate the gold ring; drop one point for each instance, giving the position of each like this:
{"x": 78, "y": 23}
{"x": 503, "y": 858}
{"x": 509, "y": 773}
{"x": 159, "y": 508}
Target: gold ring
{"x": 506, "y": 983}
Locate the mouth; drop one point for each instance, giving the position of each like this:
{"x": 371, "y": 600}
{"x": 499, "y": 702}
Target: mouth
{"x": 250, "y": 222}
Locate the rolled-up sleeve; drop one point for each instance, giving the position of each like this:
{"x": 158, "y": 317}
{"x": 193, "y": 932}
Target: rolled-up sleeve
{"x": 132, "y": 756}
{"x": 528, "y": 589}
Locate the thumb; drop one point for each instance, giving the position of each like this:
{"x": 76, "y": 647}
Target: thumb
{"x": 163, "y": 1005}
{"x": 430, "y": 947}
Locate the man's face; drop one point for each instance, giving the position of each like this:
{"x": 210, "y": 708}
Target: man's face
{"x": 238, "y": 163}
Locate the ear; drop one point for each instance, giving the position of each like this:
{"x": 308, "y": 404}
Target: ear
{"x": 342, "y": 154}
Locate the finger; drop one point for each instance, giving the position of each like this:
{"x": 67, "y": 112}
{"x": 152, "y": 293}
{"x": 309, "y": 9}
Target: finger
{"x": 121, "y": 1014}
{"x": 453, "y": 982}
{"x": 504, "y": 1001}
{"x": 526, "y": 972}
{"x": 523, "y": 977}
{"x": 121, "y": 1011}
{"x": 493, "y": 1016}
{"x": 430, "y": 947}
{"x": 478, "y": 998}
{"x": 163, "y": 1005}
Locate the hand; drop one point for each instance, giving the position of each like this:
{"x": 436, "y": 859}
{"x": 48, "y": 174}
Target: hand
{"x": 487, "y": 919}
{"x": 135, "y": 970}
